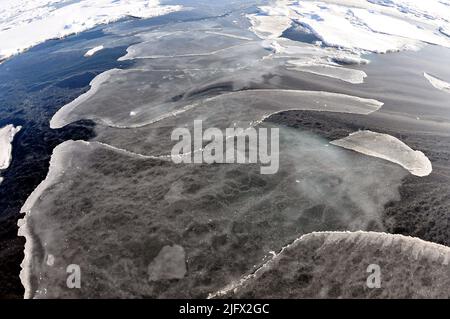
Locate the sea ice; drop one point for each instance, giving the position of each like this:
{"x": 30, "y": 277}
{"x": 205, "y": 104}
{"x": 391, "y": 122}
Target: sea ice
{"x": 150, "y": 135}
{"x": 93, "y": 51}
{"x": 169, "y": 264}
{"x": 343, "y": 259}
{"x": 376, "y": 26}
{"x": 159, "y": 229}
{"x": 215, "y": 221}
{"x": 7, "y": 134}
{"x": 166, "y": 85}
{"x": 269, "y": 27}
{"x": 182, "y": 43}
{"x": 389, "y": 148}
{"x": 344, "y": 74}
{"x": 437, "y": 83}
{"x": 25, "y": 23}
{"x": 388, "y": 25}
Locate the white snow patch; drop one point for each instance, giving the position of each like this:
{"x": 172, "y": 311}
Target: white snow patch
{"x": 7, "y": 134}
{"x": 25, "y": 23}
{"x": 389, "y": 148}
{"x": 375, "y": 26}
{"x": 93, "y": 51}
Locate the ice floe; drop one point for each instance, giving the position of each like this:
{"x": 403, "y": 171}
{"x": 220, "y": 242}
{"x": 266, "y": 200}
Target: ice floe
{"x": 389, "y": 148}
{"x": 26, "y": 23}
{"x": 93, "y": 51}
{"x": 375, "y": 26}
{"x": 149, "y": 134}
{"x": 204, "y": 216}
{"x": 437, "y": 83}
{"x": 343, "y": 259}
{"x": 172, "y": 78}
{"x": 345, "y": 74}
{"x": 269, "y": 27}
{"x": 182, "y": 43}
{"x": 243, "y": 106}
{"x": 7, "y": 134}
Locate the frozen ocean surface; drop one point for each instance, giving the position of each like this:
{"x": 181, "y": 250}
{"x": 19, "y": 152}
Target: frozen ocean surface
{"x": 139, "y": 225}
{"x": 25, "y": 23}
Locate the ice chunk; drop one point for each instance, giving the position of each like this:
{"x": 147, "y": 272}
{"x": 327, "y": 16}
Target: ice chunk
{"x": 93, "y": 51}
{"x": 169, "y": 264}
{"x": 336, "y": 265}
{"x": 389, "y": 148}
{"x": 344, "y": 74}
{"x": 26, "y": 23}
{"x": 269, "y": 27}
{"x": 7, "y": 134}
{"x": 437, "y": 83}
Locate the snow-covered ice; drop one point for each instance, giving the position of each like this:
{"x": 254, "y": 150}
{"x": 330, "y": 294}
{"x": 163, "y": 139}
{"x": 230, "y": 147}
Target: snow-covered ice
{"x": 268, "y": 27}
{"x": 25, "y": 23}
{"x": 350, "y": 27}
{"x": 93, "y": 51}
{"x": 7, "y": 134}
{"x": 375, "y": 26}
{"x": 389, "y": 148}
{"x": 437, "y": 83}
